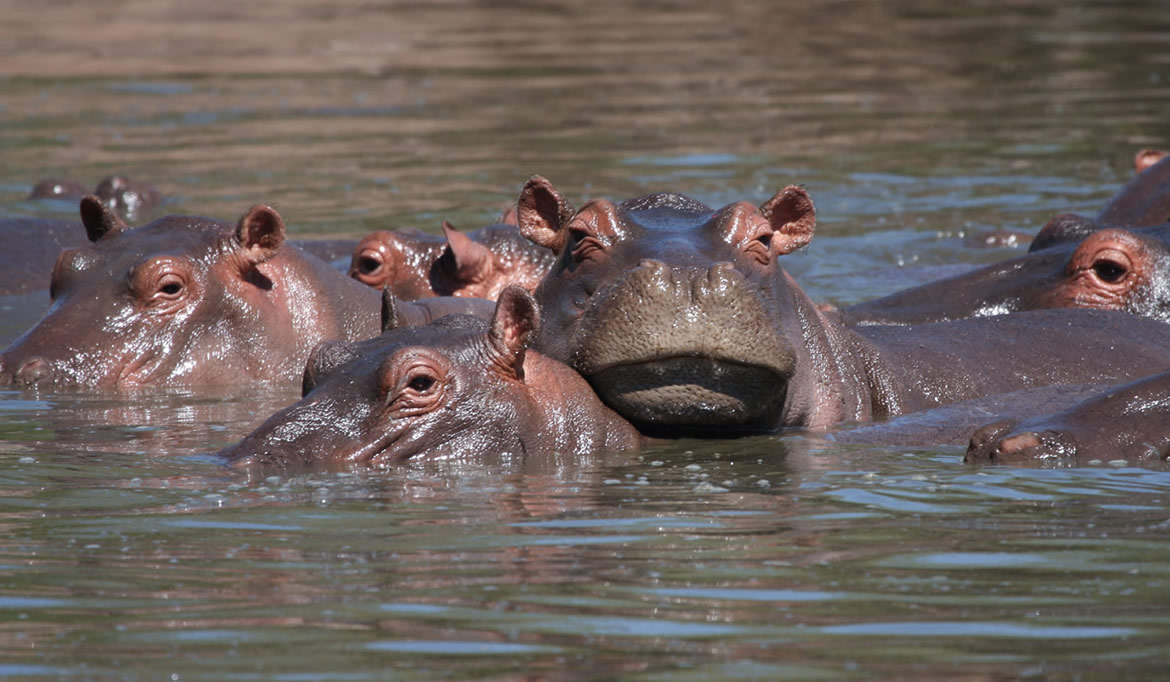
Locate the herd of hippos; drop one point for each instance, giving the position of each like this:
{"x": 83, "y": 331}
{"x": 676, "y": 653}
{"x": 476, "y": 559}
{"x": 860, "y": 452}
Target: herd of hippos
{"x": 604, "y": 327}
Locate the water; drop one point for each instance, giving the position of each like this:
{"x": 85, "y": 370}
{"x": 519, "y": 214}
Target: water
{"x": 126, "y": 553}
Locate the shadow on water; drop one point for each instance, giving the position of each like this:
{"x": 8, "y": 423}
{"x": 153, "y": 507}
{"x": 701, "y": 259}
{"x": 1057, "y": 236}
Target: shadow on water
{"x": 128, "y": 552}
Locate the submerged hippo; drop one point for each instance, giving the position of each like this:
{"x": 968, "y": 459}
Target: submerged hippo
{"x": 120, "y": 193}
{"x": 683, "y": 320}
{"x": 415, "y": 265}
{"x": 1111, "y": 268}
{"x": 458, "y": 387}
{"x": 28, "y": 249}
{"x": 186, "y": 300}
{"x": 1129, "y": 422}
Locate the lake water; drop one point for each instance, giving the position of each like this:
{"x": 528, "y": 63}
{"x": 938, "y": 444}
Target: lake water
{"x": 127, "y": 553}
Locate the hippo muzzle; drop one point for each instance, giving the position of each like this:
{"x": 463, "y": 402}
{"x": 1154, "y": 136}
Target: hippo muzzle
{"x": 685, "y": 346}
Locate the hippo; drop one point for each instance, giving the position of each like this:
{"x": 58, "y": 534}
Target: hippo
{"x": 1129, "y": 422}
{"x": 683, "y": 320}
{"x": 1110, "y": 268}
{"x": 127, "y": 197}
{"x": 459, "y": 387}
{"x": 1144, "y": 201}
{"x": 58, "y": 188}
{"x": 186, "y": 300}
{"x": 415, "y": 265}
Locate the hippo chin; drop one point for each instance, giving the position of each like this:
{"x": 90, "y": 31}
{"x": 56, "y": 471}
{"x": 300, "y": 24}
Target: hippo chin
{"x": 186, "y": 300}
{"x": 458, "y": 387}
{"x": 683, "y": 320}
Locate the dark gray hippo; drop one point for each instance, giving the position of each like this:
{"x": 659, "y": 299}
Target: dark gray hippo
{"x": 683, "y": 320}
{"x": 458, "y": 387}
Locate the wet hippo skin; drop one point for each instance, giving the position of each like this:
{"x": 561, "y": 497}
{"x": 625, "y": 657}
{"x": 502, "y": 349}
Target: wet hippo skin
{"x": 186, "y": 300}
{"x": 458, "y": 387}
{"x": 1109, "y": 268}
{"x": 478, "y": 264}
{"x": 1130, "y": 422}
{"x": 683, "y": 320}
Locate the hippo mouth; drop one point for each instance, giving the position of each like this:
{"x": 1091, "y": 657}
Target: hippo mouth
{"x": 691, "y": 395}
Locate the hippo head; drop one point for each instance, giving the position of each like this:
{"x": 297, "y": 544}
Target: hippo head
{"x": 180, "y": 299}
{"x": 1116, "y": 269}
{"x": 453, "y": 388}
{"x": 679, "y": 315}
{"x": 399, "y": 261}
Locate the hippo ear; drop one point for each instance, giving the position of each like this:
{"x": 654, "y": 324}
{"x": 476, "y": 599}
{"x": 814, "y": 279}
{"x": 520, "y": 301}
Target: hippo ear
{"x": 516, "y": 318}
{"x": 390, "y": 317}
{"x": 1148, "y": 157}
{"x": 466, "y": 260}
{"x": 260, "y": 232}
{"x": 793, "y": 218}
{"x": 541, "y": 211}
{"x": 1062, "y": 229}
{"x": 98, "y": 219}
{"x": 323, "y": 359}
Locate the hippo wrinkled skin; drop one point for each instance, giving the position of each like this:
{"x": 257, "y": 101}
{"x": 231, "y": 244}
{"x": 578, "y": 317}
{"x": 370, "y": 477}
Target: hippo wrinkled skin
{"x": 1109, "y": 268}
{"x": 458, "y": 387}
{"x": 683, "y": 320}
{"x": 186, "y": 300}
{"x": 479, "y": 264}
{"x": 1129, "y": 422}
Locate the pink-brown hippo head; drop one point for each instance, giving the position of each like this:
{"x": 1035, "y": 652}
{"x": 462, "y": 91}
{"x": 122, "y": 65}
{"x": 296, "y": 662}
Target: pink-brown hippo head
{"x": 186, "y": 300}
{"x": 679, "y": 315}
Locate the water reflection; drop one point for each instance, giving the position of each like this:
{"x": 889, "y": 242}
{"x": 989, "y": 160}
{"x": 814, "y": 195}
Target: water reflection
{"x": 125, "y": 552}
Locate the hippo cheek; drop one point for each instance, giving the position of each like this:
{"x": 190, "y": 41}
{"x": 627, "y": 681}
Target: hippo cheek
{"x": 686, "y": 346}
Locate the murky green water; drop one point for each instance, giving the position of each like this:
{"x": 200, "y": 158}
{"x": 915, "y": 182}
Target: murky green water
{"x": 127, "y": 554}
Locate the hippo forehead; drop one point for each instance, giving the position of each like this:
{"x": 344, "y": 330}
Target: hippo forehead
{"x": 179, "y": 235}
{"x": 444, "y": 334}
{"x": 665, "y": 211}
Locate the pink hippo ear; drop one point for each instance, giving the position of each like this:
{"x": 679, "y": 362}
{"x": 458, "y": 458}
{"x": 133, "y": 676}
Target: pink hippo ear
{"x": 98, "y": 219}
{"x": 260, "y": 232}
{"x": 541, "y": 212}
{"x": 793, "y": 218}
{"x": 516, "y": 318}
{"x": 468, "y": 261}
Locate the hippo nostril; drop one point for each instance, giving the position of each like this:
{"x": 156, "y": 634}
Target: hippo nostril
{"x": 33, "y": 370}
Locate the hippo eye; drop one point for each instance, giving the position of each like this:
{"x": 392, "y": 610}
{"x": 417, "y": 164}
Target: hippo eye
{"x": 368, "y": 265}
{"x": 421, "y": 383}
{"x": 1109, "y": 271}
{"x": 170, "y": 287}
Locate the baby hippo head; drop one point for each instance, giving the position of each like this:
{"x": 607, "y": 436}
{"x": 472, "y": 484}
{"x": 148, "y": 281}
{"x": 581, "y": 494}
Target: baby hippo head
{"x": 452, "y": 388}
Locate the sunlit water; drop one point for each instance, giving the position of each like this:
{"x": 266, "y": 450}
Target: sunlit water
{"x": 126, "y": 552}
